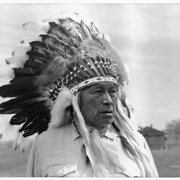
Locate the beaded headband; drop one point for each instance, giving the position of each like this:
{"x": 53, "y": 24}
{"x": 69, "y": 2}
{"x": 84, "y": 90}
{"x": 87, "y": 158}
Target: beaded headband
{"x": 92, "y": 81}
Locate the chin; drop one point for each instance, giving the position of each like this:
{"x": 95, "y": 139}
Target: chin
{"x": 107, "y": 122}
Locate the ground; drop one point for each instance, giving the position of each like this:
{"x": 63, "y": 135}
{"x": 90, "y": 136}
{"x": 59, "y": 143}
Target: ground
{"x": 13, "y": 163}
{"x": 167, "y": 161}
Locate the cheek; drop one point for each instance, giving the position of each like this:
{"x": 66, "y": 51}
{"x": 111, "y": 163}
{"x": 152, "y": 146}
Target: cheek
{"x": 114, "y": 103}
{"x": 94, "y": 112}
{"x": 92, "y": 108}
{"x": 88, "y": 104}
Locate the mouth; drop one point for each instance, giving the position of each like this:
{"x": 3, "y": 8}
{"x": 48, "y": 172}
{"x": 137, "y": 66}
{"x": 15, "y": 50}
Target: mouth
{"x": 107, "y": 112}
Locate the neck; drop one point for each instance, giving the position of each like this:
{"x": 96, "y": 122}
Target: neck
{"x": 91, "y": 128}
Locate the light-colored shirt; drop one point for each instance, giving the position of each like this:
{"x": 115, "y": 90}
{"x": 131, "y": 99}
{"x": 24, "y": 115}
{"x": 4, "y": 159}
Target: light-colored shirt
{"x": 60, "y": 153}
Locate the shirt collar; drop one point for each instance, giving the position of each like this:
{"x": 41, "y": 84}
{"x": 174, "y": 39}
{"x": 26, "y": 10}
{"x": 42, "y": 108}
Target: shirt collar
{"x": 111, "y": 133}
{"x": 108, "y": 131}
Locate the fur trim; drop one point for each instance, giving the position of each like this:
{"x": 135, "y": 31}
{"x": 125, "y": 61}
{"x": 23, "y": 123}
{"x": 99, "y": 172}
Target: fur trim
{"x": 55, "y": 69}
{"x": 63, "y": 100}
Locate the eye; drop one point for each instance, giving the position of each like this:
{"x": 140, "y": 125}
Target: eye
{"x": 97, "y": 91}
{"x": 113, "y": 91}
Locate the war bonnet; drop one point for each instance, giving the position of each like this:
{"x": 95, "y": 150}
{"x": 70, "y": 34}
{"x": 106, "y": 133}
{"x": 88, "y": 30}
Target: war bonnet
{"x": 66, "y": 56}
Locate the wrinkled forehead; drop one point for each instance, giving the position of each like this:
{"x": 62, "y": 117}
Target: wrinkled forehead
{"x": 103, "y": 85}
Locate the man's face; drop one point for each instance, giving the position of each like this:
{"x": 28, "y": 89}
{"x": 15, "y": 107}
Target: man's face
{"x": 97, "y": 104}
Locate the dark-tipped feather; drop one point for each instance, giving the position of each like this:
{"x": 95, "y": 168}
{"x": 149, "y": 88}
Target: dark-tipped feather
{"x": 19, "y": 72}
{"x": 18, "y": 103}
{"x": 13, "y": 90}
{"x": 36, "y": 66}
{"x": 59, "y": 30}
{"x": 55, "y": 46}
{"x": 23, "y": 115}
{"x": 40, "y": 47}
{"x": 41, "y": 113}
{"x": 38, "y": 127}
{"x": 36, "y": 56}
{"x": 26, "y": 81}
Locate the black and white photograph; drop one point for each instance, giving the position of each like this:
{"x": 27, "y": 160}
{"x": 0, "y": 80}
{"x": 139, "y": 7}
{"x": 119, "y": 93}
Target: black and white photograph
{"x": 90, "y": 90}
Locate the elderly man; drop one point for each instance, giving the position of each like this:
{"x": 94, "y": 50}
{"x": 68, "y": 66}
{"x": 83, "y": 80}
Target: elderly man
{"x": 75, "y": 79}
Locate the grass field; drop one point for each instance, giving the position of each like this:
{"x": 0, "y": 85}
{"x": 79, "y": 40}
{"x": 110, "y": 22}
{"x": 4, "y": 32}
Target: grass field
{"x": 13, "y": 163}
{"x": 167, "y": 162}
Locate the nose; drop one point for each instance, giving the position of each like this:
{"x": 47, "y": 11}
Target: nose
{"x": 107, "y": 100}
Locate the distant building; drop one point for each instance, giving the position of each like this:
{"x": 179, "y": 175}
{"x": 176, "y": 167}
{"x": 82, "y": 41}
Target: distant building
{"x": 155, "y": 138}
{"x": 172, "y": 140}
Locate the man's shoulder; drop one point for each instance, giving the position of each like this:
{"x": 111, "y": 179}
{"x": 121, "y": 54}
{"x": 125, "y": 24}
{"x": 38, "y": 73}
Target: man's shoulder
{"x": 66, "y": 132}
{"x": 58, "y": 146}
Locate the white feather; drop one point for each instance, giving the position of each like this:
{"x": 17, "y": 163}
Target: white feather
{"x": 5, "y": 127}
{"x": 107, "y": 38}
{"x": 22, "y": 48}
{"x": 52, "y": 19}
{"x": 17, "y": 141}
{"x": 63, "y": 100}
{"x": 22, "y": 143}
{"x": 18, "y": 60}
{"x": 33, "y": 29}
{"x": 6, "y": 74}
{"x": 83, "y": 15}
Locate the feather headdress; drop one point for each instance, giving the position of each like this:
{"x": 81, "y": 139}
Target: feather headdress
{"x": 67, "y": 54}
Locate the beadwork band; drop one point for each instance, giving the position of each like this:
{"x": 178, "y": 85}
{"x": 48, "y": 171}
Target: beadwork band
{"x": 92, "y": 81}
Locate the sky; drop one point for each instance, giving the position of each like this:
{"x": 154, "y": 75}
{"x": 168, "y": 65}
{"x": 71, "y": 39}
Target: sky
{"x": 146, "y": 36}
